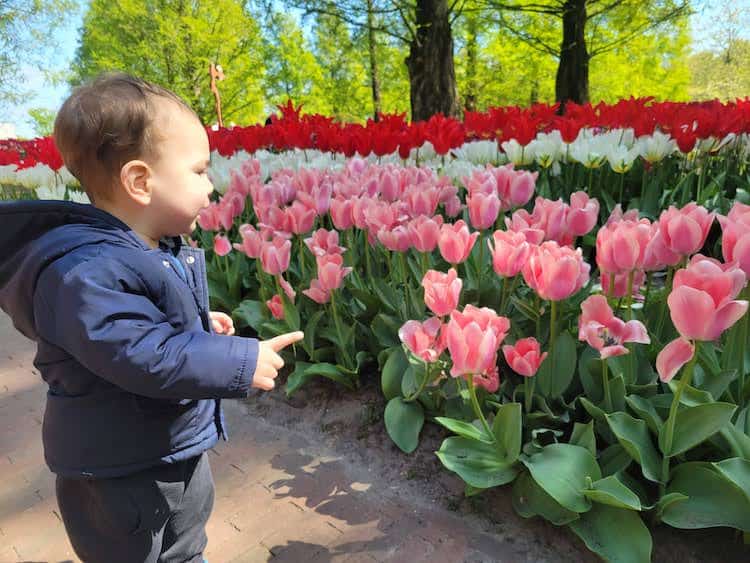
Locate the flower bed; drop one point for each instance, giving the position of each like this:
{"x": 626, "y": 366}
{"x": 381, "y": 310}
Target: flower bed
{"x": 595, "y": 358}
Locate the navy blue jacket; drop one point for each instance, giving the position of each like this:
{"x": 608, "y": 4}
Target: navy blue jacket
{"x": 123, "y": 337}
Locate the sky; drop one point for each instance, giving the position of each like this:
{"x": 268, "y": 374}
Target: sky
{"x": 51, "y": 96}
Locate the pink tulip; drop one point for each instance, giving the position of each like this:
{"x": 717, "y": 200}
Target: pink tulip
{"x": 379, "y": 215}
{"x": 317, "y": 293}
{"x": 735, "y": 241}
{"x": 423, "y": 339}
{"x": 222, "y": 246}
{"x": 231, "y": 206}
{"x": 685, "y": 230}
{"x": 331, "y": 271}
{"x": 490, "y": 382}
{"x": 618, "y": 215}
{"x": 252, "y": 241}
{"x": 702, "y": 302}
{"x": 551, "y": 217}
{"x": 276, "y": 306}
{"x": 583, "y": 214}
{"x": 441, "y": 291}
{"x": 300, "y": 218}
{"x": 341, "y": 213}
{"x": 621, "y": 245}
{"x": 672, "y": 357}
{"x": 324, "y": 242}
{"x": 606, "y": 333}
{"x": 658, "y": 255}
{"x": 555, "y": 272}
{"x": 275, "y": 255}
{"x": 522, "y": 222}
{"x": 524, "y": 357}
{"x": 485, "y": 318}
{"x": 397, "y": 239}
{"x": 455, "y": 242}
{"x": 422, "y": 201}
{"x": 208, "y": 218}
{"x": 424, "y": 232}
{"x": 453, "y": 206}
{"x": 473, "y": 350}
{"x": 515, "y": 187}
{"x": 288, "y": 289}
{"x": 510, "y": 252}
{"x": 483, "y": 210}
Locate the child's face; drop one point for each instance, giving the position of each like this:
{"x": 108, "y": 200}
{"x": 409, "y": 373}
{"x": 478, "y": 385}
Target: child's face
{"x": 179, "y": 179}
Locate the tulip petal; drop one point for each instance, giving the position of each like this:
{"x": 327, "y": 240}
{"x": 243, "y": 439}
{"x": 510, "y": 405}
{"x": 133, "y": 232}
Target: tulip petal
{"x": 674, "y": 355}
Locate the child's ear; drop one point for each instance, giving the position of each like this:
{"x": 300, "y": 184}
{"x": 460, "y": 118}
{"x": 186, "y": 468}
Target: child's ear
{"x": 134, "y": 176}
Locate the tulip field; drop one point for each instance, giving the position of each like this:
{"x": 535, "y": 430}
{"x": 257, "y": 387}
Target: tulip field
{"x": 566, "y": 295}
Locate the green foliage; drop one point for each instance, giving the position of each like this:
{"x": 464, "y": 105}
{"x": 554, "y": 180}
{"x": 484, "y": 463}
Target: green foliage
{"x": 43, "y": 120}
{"x": 723, "y": 75}
{"x": 172, "y": 44}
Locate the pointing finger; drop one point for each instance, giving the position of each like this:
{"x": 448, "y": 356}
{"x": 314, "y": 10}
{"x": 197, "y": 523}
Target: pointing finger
{"x": 284, "y": 340}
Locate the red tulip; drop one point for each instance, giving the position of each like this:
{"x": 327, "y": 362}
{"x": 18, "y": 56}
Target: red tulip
{"x": 702, "y": 302}
{"x": 606, "y": 333}
{"x": 441, "y": 291}
{"x": 455, "y": 242}
{"x": 524, "y": 357}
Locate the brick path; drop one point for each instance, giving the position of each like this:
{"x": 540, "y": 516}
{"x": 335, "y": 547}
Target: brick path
{"x": 278, "y": 497}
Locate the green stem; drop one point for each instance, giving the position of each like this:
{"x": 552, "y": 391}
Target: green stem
{"x": 347, "y": 358}
{"x": 605, "y": 384}
{"x": 480, "y": 268}
{"x": 741, "y": 355}
{"x": 425, "y": 264}
{"x": 648, "y": 289}
{"x": 528, "y": 392}
{"x": 552, "y": 334}
{"x": 687, "y": 375}
{"x": 622, "y": 182}
{"x": 402, "y": 263}
{"x": 629, "y": 295}
{"x": 475, "y": 405}
{"x": 301, "y": 258}
{"x": 667, "y": 289}
{"x": 414, "y": 396}
{"x": 611, "y": 289}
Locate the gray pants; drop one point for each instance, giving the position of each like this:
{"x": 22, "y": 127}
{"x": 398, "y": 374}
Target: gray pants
{"x": 155, "y": 515}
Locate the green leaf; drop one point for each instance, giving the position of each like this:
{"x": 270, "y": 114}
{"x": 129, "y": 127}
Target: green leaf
{"x": 409, "y": 383}
{"x": 611, "y": 491}
{"x": 614, "y": 459}
{"x": 666, "y": 501}
{"x": 615, "y": 534}
{"x": 713, "y": 500}
{"x": 736, "y": 470}
{"x": 561, "y": 470}
{"x": 393, "y": 372}
{"x": 507, "y": 429}
{"x": 251, "y": 313}
{"x": 583, "y": 435}
{"x": 311, "y": 327}
{"x": 479, "y": 464}
{"x": 291, "y": 315}
{"x": 385, "y": 328}
{"x": 330, "y": 371}
{"x": 554, "y": 384}
{"x": 645, "y": 411}
{"x": 634, "y": 437}
{"x": 693, "y": 425}
{"x": 690, "y": 395}
{"x": 404, "y": 421}
{"x": 387, "y": 294}
{"x": 297, "y": 378}
{"x": 464, "y": 429}
{"x": 530, "y": 500}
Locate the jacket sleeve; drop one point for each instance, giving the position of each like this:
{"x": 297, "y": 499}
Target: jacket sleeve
{"x": 100, "y": 313}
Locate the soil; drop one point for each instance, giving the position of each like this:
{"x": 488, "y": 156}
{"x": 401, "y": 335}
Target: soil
{"x": 349, "y": 425}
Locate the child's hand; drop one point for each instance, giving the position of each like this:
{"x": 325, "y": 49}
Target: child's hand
{"x": 269, "y": 362}
{"x": 222, "y": 323}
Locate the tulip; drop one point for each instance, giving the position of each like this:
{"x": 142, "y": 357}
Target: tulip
{"x": 685, "y": 230}
{"x": 606, "y": 333}
{"x": 455, "y": 242}
{"x": 300, "y": 218}
{"x": 222, "y": 246}
{"x": 425, "y": 232}
{"x": 324, "y": 242}
{"x": 672, "y": 357}
{"x": 331, "y": 272}
{"x": 524, "y": 357}
{"x": 397, "y": 239}
{"x": 275, "y": 255}
{"x": 555, "y": 272}
{"x": 509, "y": 253}
{"x": 702, "y": 302}
{"x": 483, "y": 210}
{"x": 317, "y": 293}
{"x": 341, "y": 213}
{"x": 423, "y": 339}
{"x": 252, "y": 241}
{"x": 583, "y": 214}
{"x": 441, "y": 291}
{"x": 621, "y": 246}
{"x": 276, "y": 306}
{"x": 473, "y": 350}
{"x": 735, "y": 242}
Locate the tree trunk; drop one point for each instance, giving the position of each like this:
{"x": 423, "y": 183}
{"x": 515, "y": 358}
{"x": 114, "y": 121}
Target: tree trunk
{"x": 432, "y": 77}
{"x": 374, "y": 78}
{"x": 572, "y": 81}
{"x": 470, "y": 98}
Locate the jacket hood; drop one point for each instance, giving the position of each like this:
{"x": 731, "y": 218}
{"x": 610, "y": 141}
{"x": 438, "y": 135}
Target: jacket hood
{"x": 35, "y": 233}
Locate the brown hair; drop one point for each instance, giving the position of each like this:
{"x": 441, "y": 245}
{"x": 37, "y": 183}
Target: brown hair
{"x": 106, "y": 123}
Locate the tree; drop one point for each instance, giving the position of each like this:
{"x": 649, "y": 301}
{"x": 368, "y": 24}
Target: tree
{"x": 27, "y": 39}
{"x": 588, "y": 28}
{"x": 425, "y": 26}
{"x": 714, "y": 75}
{"x": 43, "y": 121}
{"x": 172, "y": 43}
